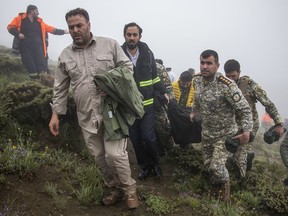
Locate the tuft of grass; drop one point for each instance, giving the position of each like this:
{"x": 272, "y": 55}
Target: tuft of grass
{"x": 160, "y": 205}
{"x": 86, "y": 194}
{"x": 194, "y": 203}
{"x": 65, "y": 161}
{"x": 2, "y": 179}
{"x": 246, "y": 199}
{"x": 87, "y": 184}
{"x": 59, "y": 201}
{"x": 19, "y": 158}
{"x": 51, "y": 189}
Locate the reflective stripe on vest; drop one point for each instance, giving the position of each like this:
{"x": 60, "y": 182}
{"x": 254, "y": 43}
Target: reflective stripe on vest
{"x": 145, "y": 83}
{"x": 156, "y": 80}
{"x": 148, "y": 102}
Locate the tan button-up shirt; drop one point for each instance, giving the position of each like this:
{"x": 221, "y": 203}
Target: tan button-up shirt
{"x": 76, "y": 68}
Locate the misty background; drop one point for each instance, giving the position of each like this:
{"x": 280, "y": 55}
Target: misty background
{"x": 254, "y": 32}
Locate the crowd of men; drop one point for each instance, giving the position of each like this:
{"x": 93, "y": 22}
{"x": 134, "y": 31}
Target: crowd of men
{"x": 225, "y": 105}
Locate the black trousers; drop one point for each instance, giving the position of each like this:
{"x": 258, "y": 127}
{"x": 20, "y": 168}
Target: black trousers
{"x": 142, "y": 135}
{"x": 32, "y": 55}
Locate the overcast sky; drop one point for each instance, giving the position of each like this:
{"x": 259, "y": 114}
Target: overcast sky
{"x": 254, "y": 32}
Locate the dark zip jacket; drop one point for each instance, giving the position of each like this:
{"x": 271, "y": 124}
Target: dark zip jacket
{"x": 145, "y": 74}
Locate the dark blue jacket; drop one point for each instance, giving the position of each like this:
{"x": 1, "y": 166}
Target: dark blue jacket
{"x": 145, "y": 74}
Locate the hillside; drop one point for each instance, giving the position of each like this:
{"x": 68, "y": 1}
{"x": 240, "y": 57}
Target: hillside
{"x": 42, "y": 175}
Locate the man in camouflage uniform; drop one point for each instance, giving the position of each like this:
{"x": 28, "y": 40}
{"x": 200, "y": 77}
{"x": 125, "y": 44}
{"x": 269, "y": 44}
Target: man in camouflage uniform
{"x": 252, "y": 93}
{"x": 162, "y": 124}
{"x": 216, "y": 99}
{"x": 284, "y": 154}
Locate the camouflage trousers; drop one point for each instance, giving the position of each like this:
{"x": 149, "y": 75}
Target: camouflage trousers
{"x": 284, "y": 150}
{"x": 162, "y": 128}
{"x": 240, "y": 158}
{"x": 215, "y": 156}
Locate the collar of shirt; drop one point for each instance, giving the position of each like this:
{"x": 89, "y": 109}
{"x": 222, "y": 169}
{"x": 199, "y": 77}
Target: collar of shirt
{"x": 135, "y": 57}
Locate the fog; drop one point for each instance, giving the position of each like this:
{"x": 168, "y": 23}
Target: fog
{"x": 254, "y": 32}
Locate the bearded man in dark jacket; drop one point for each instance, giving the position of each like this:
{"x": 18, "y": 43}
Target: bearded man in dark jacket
{"x": 142, "y": 132}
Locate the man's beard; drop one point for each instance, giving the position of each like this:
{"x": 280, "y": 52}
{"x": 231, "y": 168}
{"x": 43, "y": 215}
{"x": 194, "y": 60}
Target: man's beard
{"x": 132, "y": 46}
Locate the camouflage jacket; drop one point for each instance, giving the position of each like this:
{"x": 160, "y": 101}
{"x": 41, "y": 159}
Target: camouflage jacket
{"x": 253, "y": 92}
{"x": 163, "y": 75}
{"x": 217, "y": 101}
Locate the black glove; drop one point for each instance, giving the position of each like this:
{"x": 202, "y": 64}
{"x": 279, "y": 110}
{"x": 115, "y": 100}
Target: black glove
{"x": 232, "y": 145}
{"x": 271, "y": 135}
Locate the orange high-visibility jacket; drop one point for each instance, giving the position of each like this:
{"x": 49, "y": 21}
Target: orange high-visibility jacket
{"x": 16, "y": 25}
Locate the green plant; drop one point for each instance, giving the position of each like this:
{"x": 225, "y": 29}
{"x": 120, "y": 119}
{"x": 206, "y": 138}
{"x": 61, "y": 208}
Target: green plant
{"x": 65, "y": 161}
{"x": 246, "y": 199}
{"x": 268, "y": 189}
{"x": 194, "y": 203}
{"x": 86, "y": 194}
{"x": 216, "y": 207}
{"x": 59, "y": 201}
{"x": 189, "y": 160}
{"x": 2, "y": 179}
{"x": 19, "y": 158}
{"x": 51, "y": 189}
{"x": 159, "y": 205}
{"x": 10, "y": 207}
{"x": 87, "y": 183}
{"x": 26, "y": 98}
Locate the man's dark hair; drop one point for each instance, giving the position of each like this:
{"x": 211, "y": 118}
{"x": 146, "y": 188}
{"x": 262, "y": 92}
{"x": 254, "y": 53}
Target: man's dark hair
{"x": 186, "y": 76}
{"x": 231, "y": 65}
{"x": 159, "y": 61}
{"x": 207, "y": 53}
{"x": 30, "y": 8}
{"x": 77, "y": 11}
{"x": 131, "y": 25}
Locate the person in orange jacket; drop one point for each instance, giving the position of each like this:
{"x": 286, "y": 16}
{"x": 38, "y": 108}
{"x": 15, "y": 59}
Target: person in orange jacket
{"x": 30, "y": 34}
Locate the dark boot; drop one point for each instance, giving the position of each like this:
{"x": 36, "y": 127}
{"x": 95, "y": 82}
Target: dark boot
{"x": 224, "y": 191}
{"x": 158, "y": 171}
{"x": 145, "y": 173}
{"x": 250, "y": 157}
{"x": 285, "y": 181}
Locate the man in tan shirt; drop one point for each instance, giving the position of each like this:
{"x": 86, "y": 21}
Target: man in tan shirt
{"x": 77, "y": 64}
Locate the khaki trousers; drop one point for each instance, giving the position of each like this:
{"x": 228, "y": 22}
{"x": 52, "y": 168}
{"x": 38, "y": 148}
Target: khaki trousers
{"x": 112, "y": 159}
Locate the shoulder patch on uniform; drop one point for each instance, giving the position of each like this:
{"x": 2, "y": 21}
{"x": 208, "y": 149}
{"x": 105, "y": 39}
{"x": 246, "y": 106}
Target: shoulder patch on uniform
{"x": 224, "y": 80}
{"x": 236, "y": 97}
{"x": 246, "y": 79}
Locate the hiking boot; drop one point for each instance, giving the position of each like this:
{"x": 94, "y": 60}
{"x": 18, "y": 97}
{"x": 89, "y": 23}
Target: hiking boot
{"x": 250, "y": 157}
{"x": 224, "y": 191}
{"x": 132, "y": 201}
{"x": 285, "y": 181}
{"x": 113, "y": 197}
{"x": 158, "y": 171}
{"x": 145, "y": 173}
